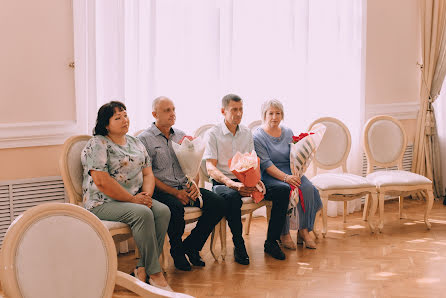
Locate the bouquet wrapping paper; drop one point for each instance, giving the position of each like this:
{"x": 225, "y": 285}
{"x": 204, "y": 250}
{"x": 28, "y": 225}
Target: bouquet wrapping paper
{"x": 246, "y": 167}
{"x": 189, "y": 153}
{"x": 301, "y": 153}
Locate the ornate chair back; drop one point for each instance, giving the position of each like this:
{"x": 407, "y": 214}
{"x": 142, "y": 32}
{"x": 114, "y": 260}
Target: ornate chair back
{"x": 335, "y": 145}
{"x": 384, "y": 142}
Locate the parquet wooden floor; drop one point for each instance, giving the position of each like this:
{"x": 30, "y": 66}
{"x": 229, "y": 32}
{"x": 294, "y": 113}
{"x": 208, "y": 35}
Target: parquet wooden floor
{"x": 406, "y": 260}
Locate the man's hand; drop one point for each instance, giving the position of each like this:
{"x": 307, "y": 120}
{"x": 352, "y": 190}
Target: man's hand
{"x": 242, "y": 189}
{"x": 193, "y": 192}
{"x": 143, "y": 198}
{"x": 183, "y": 196}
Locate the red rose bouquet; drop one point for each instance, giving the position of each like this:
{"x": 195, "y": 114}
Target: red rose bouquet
{"x": 301, "y": 153}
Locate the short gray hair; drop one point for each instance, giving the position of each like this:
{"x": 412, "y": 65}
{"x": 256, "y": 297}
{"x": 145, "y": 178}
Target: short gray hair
{"x": 156, "y": 101}
{"x": 272, "y": 103}
{"x": 227, "y": 98}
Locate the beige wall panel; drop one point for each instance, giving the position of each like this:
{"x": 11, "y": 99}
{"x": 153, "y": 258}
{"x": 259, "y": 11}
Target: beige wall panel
{"x": 36, "y": 83}
{"x": 29, "y": 162}
{"x": 392, "y": 52}
{"x": 410, "y": 128}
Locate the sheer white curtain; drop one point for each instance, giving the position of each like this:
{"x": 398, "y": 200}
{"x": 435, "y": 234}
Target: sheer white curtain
{"x": 440, "y": 115}
{"x": 308, "y": 54}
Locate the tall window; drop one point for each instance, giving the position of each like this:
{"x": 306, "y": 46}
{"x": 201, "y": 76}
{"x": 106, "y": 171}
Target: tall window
{"x": 306, "y": 53}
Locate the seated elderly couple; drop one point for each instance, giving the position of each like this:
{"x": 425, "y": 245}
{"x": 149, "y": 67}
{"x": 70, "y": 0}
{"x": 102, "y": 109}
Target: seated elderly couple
{"x": 139, "y": 181}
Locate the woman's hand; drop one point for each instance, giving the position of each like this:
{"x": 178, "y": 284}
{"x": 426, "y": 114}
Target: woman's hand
{"x": 143, "y": 198}
{"x": 293, "y": 180}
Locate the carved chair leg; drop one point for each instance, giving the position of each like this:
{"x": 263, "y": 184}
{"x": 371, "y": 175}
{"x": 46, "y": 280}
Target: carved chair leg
{"x": 344, "y": 215}
{"x": 223, "y": 237}
{"x": 401, "y": 211}
{"x": 317, "y": 220}
{"x": 381, "y": 211}
{"x": 164, "y": 255}
{"x": 429, "y": 203}
{"x": 366, "y": 207}
{"x": 324, "y": 216}
{"x": 247, "y": 225}
{"x": 371, "y": 215}
{"x": 214, "y": 235}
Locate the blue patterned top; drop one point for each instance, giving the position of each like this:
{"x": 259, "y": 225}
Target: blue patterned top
{"x": 124, "y": 163}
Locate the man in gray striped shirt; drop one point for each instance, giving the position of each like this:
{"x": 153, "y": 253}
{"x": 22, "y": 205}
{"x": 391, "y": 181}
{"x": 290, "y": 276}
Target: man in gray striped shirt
{"x": 171, "y": 187}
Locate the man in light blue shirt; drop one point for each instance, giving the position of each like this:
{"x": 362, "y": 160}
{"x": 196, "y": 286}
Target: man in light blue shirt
{"x": 223, "y": 142}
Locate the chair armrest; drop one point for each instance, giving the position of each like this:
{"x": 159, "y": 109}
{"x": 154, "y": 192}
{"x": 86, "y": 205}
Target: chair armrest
{"x": 141, "y": 288}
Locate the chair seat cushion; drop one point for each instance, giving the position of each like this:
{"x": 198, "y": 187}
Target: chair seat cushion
{"x": 394, "y": 178}
{"x": 113, "y": 225}
{"x": 247, "y": 200}
{"x": 340, "y": 181}
{"x": 191, "y": 209}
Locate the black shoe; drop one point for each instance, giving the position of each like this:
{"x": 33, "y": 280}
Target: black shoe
{"x": 194, "y": 257}
{"x": 273, "y": 249}
{"x": 181, "y": 263}
{"x": 240, "y": 254}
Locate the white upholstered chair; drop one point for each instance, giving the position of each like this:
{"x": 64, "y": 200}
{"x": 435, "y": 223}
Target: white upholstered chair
{"x": 332, "y": 154}
{"x": 61, "y": 250}
{"x": 248, "y": 206}
{"x": 253, "y": 125}
{"x": 384, "y": 145}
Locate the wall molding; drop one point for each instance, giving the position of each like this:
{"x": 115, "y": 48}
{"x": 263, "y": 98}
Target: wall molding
{"x": 37, "y": 133}
{"x": 401, "y": 111}
{"x": 46, "y": 133}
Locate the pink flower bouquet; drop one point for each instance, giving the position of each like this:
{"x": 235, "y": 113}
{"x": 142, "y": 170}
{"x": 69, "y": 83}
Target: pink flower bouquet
{"x": 246, "y": 167}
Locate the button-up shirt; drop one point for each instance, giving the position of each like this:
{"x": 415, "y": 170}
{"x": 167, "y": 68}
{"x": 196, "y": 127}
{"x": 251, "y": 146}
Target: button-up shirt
{"x": 222, "y": 145}
{"x": 165, "y": 164}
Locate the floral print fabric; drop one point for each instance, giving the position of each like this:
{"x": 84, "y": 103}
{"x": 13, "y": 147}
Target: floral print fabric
{"x": 124, "y": 163}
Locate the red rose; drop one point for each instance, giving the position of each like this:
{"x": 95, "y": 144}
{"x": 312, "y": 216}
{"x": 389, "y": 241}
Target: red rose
{"x": 301, "y": 136}
{"x": 189, "y": 137}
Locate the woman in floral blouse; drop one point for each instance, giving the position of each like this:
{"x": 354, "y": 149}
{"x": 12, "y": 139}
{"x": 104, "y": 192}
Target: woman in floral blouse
{"x": 118, "y": 186}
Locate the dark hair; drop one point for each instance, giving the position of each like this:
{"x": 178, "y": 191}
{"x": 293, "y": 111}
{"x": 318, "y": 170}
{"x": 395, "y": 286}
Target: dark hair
{"x": 227, "y": 98}
{"x": 104, "y": 114}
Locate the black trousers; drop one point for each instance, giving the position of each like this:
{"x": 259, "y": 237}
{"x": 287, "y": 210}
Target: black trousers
{"x": 233, "y": 214}
{"x": 213, "y": 211}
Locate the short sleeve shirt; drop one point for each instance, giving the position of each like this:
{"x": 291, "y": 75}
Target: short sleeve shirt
{"x": 165, "y": 164}
{"x": 124, "y": 163}
{"x": 222, "y": 145}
